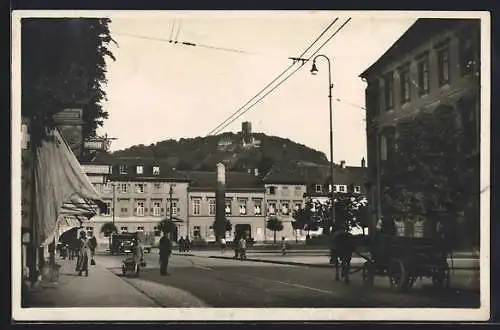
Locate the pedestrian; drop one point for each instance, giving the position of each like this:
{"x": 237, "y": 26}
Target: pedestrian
{"x": 187, "y": 244}
{"x": 236, "y": 246}
{"x": 138, "y": 252}
{"x": 92, "y": 246}
{"x": 165, "y": 252}
{"x": 283, "y": 246}
{"x": 243, "y": 248}
{"x": 82, "y": 261}
{"x": 181, "y": 244}
{"x": 222, "y": 245}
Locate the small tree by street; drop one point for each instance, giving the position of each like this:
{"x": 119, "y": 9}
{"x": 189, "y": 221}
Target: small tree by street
{"x": 228, "y": 226}
{"x": 167, "y": 226}
{"x": 108, "y": 229}
{"x": 274, "y": 224}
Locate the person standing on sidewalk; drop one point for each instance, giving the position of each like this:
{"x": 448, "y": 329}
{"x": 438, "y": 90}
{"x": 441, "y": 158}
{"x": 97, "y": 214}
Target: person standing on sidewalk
{"x": 92, "y": 247}
{"x": 222, "y": 245}
{"x": 165, "y": 252}
{"x": 283, "y": 246}
{"x": 82, "y": 262}
{"x": 243, "y": 247}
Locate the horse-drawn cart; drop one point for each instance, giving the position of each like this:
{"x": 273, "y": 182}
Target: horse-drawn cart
{"x": 404, "y": 260}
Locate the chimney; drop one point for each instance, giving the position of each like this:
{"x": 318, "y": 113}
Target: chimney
{"x": 342, "y": 163}
{"x": 256, "y": 172}
{"x": 363, "y": 162}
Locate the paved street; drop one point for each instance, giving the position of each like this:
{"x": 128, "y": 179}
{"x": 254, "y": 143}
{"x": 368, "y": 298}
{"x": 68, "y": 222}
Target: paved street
{"x": 202, "y": 281}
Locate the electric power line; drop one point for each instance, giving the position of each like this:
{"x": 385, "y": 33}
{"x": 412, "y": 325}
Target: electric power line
{"x": 275, "y": 79}
{"x": 286, "y": 78}
{"x": 185, "y": 43}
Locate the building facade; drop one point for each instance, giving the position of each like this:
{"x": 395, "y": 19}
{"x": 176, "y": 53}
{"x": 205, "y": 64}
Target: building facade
{"x": 244, "y": 205}
{"x": 434, "y": 64}
{"x": 139, "y": 194}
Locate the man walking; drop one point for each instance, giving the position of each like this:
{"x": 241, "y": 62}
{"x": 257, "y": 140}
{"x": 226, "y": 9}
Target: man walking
{"x": 165, "y": 252}
{"x": 92, "y": 246}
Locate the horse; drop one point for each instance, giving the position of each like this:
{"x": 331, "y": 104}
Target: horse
{"x": 341, "y": 249}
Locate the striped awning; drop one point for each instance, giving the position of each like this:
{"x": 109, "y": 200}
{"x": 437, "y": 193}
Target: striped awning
{"x": 62, "y": 189}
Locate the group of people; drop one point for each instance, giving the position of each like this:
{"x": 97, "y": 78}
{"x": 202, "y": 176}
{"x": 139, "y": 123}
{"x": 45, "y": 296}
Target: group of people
{"x": 84, "y": 248}
{"x": 184, "y": 244}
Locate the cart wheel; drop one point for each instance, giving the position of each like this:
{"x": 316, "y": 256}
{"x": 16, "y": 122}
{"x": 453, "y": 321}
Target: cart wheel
{"x": 124, "y": 270}
{"x": 368, "y": 274}
{"x": 441, "y": 276}
{"x": 398, "y": 275}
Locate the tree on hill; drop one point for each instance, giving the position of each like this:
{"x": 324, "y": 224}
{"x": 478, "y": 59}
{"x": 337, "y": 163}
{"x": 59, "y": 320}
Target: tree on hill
{"x": 69, "y": 70}
{"x": 274, "y": 224}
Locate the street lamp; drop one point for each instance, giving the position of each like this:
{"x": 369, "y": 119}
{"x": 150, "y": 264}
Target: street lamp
{"x": 314, "y": 71}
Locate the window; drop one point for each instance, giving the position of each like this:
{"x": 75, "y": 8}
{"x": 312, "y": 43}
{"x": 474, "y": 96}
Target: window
{"x": 156, "y": 170}
{"x": 227, "y": 207}
{"x": 243, "y": 207}
{"x": 285, "y": 208}
{"x": 257, "y": 207}
{"x": 318, "y": 188}
{"x": 156, "y": 209}
{"x": 298, "y": 206}
{"x": 123, "y": 211}
{"x": 124, "y": 229}
{"x": 124, "y": 187}
{"x": 444, "y": 66}
{"x": 139, "y": 228}
{"x": 405, "y": 84}
{"x": 272, "y": 190}
{"x": 285, "y": 191}
{"x": 357, "y": 189}
{"x": 342, "y": 188}
{"x": 157, "y": 187}
{"x": 298, "y": 191}
{"x": 139, "y": 169}
{"x": 109, "y": 208}
{"x": 174, "y": 207}
{"x": 139, "y": 210}
{"x": 107, "y": 187}
{"x": 211, "y": 231}
{"x": 211, "y": 207}
{"x": 89, "y": 229}
{"x": 196, "y": 206}
{"x": 335, "y": 188}
{"x": 140, "y": 188}
{"x": 467, "y": 60}
{"x": 272, "y": 207}
{"x": 122, "y": 169}
{"x": 196, "y": 232}
{"x": 423, "y": 75}
{"x": 389, "y": 91}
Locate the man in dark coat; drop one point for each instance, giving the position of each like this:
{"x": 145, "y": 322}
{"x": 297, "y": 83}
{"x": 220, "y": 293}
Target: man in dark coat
{"x": 165, "y": 252}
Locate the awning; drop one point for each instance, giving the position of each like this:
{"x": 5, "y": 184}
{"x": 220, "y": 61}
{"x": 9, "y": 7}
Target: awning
{"x": 62, "y": 189}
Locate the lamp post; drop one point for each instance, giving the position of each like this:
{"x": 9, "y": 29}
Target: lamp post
{"x": 314, "y": 71}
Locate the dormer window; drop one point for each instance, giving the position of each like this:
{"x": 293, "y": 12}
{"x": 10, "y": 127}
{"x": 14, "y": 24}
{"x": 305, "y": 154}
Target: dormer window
{"x": 318, "y": 188}
{"x": 357, "y": 189}
{"x": 139, "y": 169}
{"x": 156, "y": 170}
{"x": 122, "y": 169}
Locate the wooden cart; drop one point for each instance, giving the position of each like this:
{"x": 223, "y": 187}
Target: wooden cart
{"x": 405, "y": 259}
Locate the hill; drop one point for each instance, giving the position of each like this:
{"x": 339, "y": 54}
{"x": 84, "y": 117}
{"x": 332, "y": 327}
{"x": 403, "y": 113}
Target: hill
{"x": 203, "y": 153}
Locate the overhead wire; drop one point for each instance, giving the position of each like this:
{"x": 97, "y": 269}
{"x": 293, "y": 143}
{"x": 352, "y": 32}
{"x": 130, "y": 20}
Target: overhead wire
{"x": 222, "y": 127}
{"x": 274, "y": 80}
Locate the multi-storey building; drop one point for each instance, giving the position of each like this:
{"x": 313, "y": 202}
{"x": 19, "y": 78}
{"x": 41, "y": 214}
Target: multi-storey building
{"x": 139, "y": 194}
{"x": 244, "y": 204}
{"x": 435, "y": 63}
{"x": 289, "y": 185}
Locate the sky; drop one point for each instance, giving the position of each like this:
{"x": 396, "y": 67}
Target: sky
{"x": 159, "y": 90}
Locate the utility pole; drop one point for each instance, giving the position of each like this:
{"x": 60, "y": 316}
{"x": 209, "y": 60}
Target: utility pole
{"x": 113, "y": 211}
{"x": 170, "y": 211}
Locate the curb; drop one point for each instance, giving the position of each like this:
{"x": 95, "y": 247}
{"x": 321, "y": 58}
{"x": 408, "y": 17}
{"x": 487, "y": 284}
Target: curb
{"x": 311, "y": 265}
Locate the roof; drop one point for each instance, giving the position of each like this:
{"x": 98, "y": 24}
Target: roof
{"x": 166, "y": 171}
{"x": 305, "y": 173}
{"x": 234, "y": 180}
{"x": 421, "y": 31}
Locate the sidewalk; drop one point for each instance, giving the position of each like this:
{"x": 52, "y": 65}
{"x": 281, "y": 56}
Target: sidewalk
{"x": 322, "y": 261}
{"x": 100, "y": 289}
